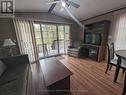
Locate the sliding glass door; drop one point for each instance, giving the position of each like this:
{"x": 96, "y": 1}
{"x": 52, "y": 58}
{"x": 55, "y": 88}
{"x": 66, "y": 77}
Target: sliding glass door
{"x": 51, "y": 39}
{"x": 49, "y": 33}
{"x": 39, "y": 40}
{"x": 66, "y": 37}
{"x": 63, "y": 36}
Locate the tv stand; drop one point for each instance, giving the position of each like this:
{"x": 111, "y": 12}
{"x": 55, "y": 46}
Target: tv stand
{"x": 91, "y": 51}
{"x": 93, "y": 48}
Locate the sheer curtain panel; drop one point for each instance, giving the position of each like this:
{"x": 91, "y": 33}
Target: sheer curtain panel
{"x": 26, "y": 38}
{"x": 120, "y": 31}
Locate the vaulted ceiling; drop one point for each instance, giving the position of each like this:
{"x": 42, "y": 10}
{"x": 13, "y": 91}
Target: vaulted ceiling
{"x": 87, "y": 9}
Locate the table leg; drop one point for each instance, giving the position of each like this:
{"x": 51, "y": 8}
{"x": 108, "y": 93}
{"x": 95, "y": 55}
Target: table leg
{"x": 117, "y": 69}
{"x": 124, "y": 88}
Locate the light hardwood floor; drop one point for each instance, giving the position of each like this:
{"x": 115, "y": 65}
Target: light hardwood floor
{"x": 89, "y": 78}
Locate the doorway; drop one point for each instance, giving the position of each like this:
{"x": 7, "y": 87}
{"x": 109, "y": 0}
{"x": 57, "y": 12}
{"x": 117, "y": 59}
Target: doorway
{"x": 51, "y": 39}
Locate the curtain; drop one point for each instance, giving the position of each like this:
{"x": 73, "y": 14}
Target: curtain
{"x": 120, "y": 31}
{"x": 26, "y": 38}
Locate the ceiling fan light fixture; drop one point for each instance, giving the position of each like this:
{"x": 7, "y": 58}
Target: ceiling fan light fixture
{"x": 63, "y": 4}
{"x": 69, "y": 6}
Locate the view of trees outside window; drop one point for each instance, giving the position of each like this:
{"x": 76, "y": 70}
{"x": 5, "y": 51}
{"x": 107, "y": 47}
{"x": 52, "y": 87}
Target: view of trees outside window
{"x": 38, "y": 35}
{"x": 61, "y": 36}
{"x": 51, "y": 39}
{"x": 49, "y": 33}
{"x": 67, "y": 37}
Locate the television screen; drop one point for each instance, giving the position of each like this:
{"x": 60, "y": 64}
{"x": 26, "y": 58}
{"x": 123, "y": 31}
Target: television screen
{"x": 92, "y": 38}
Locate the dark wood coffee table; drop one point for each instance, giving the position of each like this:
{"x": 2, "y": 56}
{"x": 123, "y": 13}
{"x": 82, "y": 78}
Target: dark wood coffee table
{"x": 56, "y": 75}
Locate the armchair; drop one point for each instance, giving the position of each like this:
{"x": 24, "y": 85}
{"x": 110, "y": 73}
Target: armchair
{"x": 75, "y": 50}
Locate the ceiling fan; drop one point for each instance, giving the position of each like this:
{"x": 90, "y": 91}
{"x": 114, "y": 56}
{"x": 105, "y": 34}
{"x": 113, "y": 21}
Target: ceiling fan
{"x": 64, "y": 3}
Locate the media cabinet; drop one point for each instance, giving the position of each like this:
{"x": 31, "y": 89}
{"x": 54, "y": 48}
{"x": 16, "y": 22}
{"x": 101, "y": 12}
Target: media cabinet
{"x": 95, "y": 40}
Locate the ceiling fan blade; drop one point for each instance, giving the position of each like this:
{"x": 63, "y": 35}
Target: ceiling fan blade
{"x": 53, "y": 2}
{"x": 73, "y": 4}
{"x": 53, "y": 6}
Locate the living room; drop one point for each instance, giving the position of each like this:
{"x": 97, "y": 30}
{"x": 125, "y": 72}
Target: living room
{"x": 62, "y": 47}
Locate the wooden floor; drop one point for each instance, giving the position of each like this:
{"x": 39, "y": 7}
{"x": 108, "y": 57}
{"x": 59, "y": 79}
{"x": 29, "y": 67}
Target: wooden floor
{"x": 89, "y": 78}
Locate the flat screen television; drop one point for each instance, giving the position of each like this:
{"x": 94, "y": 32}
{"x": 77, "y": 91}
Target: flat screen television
{"x": 92, "y": 38}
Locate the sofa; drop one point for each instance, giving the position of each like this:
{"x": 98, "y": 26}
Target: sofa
{"x": 15, "y": 75}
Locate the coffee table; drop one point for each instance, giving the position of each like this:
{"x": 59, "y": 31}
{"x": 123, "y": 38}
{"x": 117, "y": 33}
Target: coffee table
{"x": 56, "y": 76}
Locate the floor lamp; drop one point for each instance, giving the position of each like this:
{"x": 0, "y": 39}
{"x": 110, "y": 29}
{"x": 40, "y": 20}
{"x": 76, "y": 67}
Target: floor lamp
{"x": 9, "y": 43}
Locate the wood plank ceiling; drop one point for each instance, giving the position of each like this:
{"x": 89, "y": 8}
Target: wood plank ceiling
{"x": 88, "y": 8}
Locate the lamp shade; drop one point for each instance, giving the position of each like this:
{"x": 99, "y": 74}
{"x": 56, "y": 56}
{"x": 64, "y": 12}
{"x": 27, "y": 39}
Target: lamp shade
{"x": 8, "y": 42}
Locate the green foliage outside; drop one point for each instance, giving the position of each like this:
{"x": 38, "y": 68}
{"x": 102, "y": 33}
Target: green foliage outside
{"x": 49, "y": 33}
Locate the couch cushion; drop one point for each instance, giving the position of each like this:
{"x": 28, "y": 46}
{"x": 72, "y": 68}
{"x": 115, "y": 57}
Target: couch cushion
{"x": 14, "y": 80}
{"x": 9, "y": 88}
{"x": 13, "y": 72}
{"x": 2, "y": 67}
{"x": 76, "y": 44}
{"x": 15, "y": 87}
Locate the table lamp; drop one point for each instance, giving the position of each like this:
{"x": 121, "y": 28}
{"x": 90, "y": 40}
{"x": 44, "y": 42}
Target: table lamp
{"x": 109, "y": 39}
{"x": 9, "y": 43}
